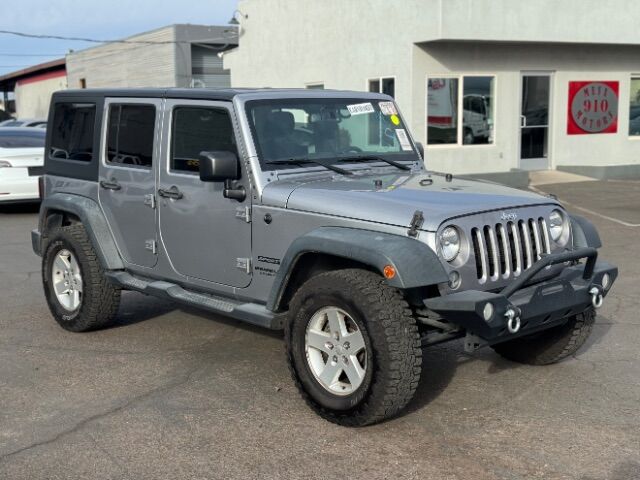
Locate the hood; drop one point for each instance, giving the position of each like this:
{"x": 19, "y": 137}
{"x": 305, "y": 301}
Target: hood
{"x": 396, "y": 197}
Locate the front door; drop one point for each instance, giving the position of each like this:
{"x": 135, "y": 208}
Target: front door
{"x": 127, "y": 178}
{"x": 534, "y": 122}
{"x": 206, "y": 235}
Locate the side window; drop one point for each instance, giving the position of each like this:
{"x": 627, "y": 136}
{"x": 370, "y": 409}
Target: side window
{"x": 199, "y": 129}
{"x": 130, "y": 134}
{"x": 72, "y": 131}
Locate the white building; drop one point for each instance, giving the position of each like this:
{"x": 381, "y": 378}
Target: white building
{"x": 172, "y": 56}
{"x": 32, "y": 87}
{"x": 487, "y": 85}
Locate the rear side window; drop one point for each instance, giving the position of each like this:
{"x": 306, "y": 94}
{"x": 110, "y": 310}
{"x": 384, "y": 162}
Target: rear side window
{"x": 130, "y": 135}
{"x": 199, "y": 129}
{"x": 72, "y": 131}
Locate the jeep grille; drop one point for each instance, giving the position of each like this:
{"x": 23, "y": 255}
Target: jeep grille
{"x": 506, "y": 249}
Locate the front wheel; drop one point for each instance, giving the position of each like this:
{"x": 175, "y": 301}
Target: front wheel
{"x": 552, "y": 345}
{"x": 353, "y": 347}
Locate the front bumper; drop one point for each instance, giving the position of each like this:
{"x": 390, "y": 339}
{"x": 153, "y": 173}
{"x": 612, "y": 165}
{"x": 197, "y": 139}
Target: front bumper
{"x": 539, "y": 305}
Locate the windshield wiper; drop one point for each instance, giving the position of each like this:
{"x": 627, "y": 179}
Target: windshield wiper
{"x": 368, "y": 158}
{"x": 305, "y": 161}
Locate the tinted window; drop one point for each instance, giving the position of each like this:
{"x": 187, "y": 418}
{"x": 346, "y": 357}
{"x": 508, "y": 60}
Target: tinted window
{"x": 130, "y": 134}
{"x": 22, "y": 139}
{"x": 199, "y": 129}
{"x": 72, "y": 131}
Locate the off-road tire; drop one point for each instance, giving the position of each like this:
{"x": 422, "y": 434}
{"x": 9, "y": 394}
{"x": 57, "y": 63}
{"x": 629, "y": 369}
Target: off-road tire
{"x": 100, "y": 299}
{"x": 550, "y": 346}
{"x": 391, "y": 338}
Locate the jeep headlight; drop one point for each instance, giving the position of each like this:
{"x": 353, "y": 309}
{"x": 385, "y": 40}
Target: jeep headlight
{"x": 559, "y": 227}
{"x": 450, "y": 243}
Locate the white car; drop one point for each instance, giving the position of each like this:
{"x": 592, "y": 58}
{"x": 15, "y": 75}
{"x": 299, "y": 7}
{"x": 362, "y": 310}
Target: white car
{"x": 25, "y": 122}
{"x": 21, "y": 163}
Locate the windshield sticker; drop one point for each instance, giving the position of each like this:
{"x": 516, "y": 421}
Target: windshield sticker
{"x": 388, "y": 108}
{"x": 360, "y": 108}
{"x": 395, "y": 119}
{"x": 403, "y": 138}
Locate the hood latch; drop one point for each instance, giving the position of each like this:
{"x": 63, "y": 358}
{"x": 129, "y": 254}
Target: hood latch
{"x": 416, "y": 223}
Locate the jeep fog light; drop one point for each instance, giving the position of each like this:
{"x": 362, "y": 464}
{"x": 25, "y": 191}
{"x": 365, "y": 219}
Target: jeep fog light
{"x": 487, "y": 311}
{"x": 605, "y": 281}
{"x": 450, "y": 243}
{"x": 454, "y": 280}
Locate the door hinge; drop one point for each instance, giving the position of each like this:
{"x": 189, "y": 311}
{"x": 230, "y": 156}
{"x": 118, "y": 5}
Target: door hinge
{"x": 151, "y": 245}
{"x": 150, "y": 200}
{"x": 244, "y": 264}
{"x": 244, "y": 213}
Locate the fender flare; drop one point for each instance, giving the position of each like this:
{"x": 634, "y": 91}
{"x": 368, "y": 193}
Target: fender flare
{"x": 91, "y": 216}
{"x": 584, "y": 233}
{"x": 415, "y": 263}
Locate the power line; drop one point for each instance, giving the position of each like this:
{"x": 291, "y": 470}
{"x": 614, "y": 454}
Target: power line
{"x": 31, "y": 54}
{"x": 93, "y": 40}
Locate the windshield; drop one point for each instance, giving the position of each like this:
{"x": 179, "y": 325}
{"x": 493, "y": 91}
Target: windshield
{"x": 327, "y": 129}
{"x": 11, "y": 139}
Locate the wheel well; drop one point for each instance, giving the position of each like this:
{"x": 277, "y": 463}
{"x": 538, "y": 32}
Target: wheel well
{"x": 311, "y": 264}
{"x": 58, "y": 218}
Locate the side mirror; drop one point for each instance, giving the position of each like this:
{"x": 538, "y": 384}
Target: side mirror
{"x": 420, "y": 148}
{"x": 218, "y": 166}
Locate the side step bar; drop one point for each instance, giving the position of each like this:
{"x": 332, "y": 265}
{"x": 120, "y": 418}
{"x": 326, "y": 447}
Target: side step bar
{"x": 252, "y": 313}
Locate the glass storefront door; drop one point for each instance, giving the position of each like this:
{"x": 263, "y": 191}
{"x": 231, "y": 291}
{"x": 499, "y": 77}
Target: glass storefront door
{"x": 534, "y": 121}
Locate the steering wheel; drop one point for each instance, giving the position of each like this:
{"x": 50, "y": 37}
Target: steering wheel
{"x": 351, "y": 149}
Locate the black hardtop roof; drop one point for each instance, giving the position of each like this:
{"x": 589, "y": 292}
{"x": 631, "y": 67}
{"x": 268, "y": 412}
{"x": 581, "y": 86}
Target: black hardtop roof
{"x": 204, "y": 93}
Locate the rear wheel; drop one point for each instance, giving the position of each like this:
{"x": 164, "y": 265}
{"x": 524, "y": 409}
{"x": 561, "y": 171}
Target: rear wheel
{"x": 77, "y": 292}
{"x": 353, "y": 347}
{"x": 550, "y": 346}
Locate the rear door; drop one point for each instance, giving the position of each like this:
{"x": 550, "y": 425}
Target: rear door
{"x": 206, "y": 235}
{"x": 130, "y": 149}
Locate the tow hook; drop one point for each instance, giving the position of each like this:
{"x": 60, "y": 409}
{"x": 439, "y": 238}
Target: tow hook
{"x": 596, "y": 297}
{"x": 513, "y": 319}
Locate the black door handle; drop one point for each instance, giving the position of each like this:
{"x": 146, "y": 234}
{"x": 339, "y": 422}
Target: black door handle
{"x": 171, "y": 192}
{"x": 111, "y": 185}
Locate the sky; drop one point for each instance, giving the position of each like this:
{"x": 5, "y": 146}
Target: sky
{"x": 100, "y": 19}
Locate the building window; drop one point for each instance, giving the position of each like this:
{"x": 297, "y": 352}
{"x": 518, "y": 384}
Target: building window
{"x": 199, "y": 129}
{"x": 460, "y": 116}
{"x": 315, "y": 86}
{"x": 130, "y": 135}
{"x": 634, "y": 108}
{"x": 386, "y": 85}
{"x": 83, "y": 83}
{"x": 72, "y": 131}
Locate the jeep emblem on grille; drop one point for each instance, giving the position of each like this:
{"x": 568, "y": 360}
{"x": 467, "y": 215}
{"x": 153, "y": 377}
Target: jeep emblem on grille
{"x": 508, "y": 216}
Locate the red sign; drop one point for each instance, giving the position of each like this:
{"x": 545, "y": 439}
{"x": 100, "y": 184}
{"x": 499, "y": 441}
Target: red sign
{"x": 593, "y": 108}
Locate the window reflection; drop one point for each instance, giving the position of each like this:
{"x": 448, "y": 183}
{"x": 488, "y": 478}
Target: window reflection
{"x": 634, "y": 108}
{"x": 442, "y": 111}
{"x": 477, "y": 110}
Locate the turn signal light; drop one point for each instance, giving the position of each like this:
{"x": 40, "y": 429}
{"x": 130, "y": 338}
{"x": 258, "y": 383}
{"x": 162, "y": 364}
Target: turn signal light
{"x": 389, "y": 272}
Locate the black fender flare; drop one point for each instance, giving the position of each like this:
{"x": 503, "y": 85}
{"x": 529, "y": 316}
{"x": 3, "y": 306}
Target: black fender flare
{"x": 584, "y": 233}
{"x": 91, "y": 216}
{"x": 415, "y": 263}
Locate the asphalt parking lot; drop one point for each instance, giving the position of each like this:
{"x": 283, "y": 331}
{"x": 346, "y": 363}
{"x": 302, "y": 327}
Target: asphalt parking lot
{"x": 175, "y": 393}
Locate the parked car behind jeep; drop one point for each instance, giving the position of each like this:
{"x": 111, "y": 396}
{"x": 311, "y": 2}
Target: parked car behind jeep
{"x": 311, "y": 212}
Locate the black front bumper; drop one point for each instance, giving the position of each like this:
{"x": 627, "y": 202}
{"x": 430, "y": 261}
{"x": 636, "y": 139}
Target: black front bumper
{"x": 540, "y": 305}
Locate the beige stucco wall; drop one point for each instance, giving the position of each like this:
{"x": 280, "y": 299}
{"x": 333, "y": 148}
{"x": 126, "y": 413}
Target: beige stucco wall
{"x": 32, "y": 99}
{"x": 344, "y": 43}
{"x": 507, "y": 62}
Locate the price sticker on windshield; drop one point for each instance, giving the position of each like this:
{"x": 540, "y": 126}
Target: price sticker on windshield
{"x": 388, "y": 108}
{"x": 360, "y": 108}
{"x": 403, "y": 138}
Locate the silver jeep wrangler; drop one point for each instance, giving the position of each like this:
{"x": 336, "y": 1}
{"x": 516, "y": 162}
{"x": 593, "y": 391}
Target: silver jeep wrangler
{"x": 312, "y": 212}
